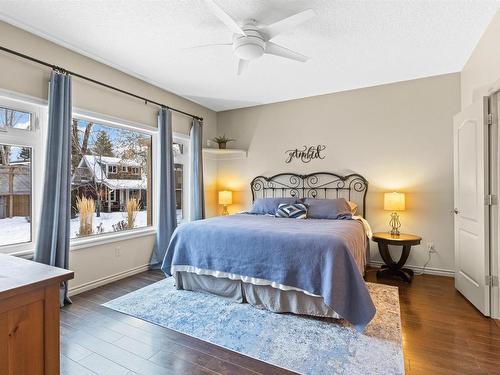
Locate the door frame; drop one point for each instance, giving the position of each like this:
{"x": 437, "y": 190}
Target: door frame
{"x": 494, "y": 188}
{"x": 493, "y": 172}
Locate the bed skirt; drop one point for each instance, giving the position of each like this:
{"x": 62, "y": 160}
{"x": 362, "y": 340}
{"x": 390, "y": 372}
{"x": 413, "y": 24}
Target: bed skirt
{"x": 260, "y": 296}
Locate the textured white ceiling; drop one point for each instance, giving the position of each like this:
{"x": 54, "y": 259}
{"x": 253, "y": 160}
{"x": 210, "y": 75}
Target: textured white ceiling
{"x": 352, "y": 44}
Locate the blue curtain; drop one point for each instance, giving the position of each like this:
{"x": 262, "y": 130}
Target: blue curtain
{"x": 197, "y": 192}
{"x": 167, "y": 219}
{"x": 52, "y": 247}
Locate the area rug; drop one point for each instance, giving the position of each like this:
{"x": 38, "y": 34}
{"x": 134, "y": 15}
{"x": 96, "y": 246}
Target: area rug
{"x": 302, "y": 344}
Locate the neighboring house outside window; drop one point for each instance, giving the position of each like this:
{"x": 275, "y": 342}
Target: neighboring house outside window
{"x": 112, "y": 171}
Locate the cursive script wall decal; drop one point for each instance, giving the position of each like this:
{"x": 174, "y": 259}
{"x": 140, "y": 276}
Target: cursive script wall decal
{"x": 305, "y": 154}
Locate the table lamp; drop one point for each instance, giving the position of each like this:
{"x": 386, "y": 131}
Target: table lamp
{"x": 225, "y": 199}
{"x": 394, "y": 202}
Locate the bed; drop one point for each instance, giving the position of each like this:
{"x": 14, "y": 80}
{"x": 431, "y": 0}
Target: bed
{"x": 311, "y": 267}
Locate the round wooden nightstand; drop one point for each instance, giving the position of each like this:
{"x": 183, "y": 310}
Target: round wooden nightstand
{"x": 392, "y": 268}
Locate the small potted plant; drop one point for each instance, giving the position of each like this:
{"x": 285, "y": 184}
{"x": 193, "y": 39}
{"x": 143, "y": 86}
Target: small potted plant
{"x": 222, "y": 141}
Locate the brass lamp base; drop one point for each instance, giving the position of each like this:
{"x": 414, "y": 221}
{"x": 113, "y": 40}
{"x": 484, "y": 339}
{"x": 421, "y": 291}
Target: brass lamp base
{"x": 224, "y": 210}
{"x": 395, "y": 224}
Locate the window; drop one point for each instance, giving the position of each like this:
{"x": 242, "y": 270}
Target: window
{"x": 15, "y": 194}
{"x": 180, "y": 148}
{"x": 19, "y": 147}
{"x": 179, "y": 182}
{"x": 104, "y": 201}
{"x": 14, "y": 119}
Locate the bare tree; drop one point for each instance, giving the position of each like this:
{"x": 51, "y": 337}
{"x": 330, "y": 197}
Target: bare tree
{"x": 4, "y": 154}
{"x": 79, "y": 149}
{"x": 134, "y": 146}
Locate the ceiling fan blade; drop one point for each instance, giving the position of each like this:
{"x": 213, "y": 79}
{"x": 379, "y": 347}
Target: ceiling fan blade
{"x": 242, "y": 66}
{"x": 275, "y": 49}
{"x": 224, "y": 17}
{"x": 270, "y": 31}
{"x": 209, "y": 45}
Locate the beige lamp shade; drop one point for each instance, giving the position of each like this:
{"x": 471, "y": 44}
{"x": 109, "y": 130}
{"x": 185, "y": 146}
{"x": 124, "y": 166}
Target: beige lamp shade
{"x": 394, "y": 201}
{"x": 225, "y": 197}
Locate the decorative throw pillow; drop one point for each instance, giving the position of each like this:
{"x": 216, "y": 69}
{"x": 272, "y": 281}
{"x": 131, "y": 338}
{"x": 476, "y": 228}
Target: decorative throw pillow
{"x": 328, "y": 208}
{"x": 265, "y": 206}
{"x": 292, "y": 211}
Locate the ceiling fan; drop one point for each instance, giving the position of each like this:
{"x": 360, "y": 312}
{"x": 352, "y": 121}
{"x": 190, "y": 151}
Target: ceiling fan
{"x": 251, "y": 40}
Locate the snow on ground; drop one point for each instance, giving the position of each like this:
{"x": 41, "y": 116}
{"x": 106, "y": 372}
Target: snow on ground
{"x": 14, "y": 230}
{"x": 18, "y": 229}
{"x": 108, "y": 220}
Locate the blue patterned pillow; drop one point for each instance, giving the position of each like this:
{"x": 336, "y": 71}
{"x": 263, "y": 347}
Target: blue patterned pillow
{"x": 268, "y": 206}
{"x": 292, "y": 211}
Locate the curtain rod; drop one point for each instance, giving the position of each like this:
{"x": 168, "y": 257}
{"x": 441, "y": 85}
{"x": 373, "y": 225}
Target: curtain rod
{"x": 58, "y": 68}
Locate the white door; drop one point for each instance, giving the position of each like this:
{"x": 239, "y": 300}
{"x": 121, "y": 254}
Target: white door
{"x": 470, "y": 134}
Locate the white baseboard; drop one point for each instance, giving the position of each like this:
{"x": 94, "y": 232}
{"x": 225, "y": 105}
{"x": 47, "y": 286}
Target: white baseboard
{"x": 106, "y": 280}
{"x": 428, "y": 270}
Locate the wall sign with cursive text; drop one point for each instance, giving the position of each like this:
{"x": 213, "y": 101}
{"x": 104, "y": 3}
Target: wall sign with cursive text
{"x": 305, "y": 154}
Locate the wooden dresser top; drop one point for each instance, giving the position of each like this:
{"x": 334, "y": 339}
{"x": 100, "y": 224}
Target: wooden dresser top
{"x": 18, "y": 275}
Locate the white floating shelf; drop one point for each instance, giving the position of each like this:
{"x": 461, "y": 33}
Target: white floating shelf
{"x": 225, "y": 154}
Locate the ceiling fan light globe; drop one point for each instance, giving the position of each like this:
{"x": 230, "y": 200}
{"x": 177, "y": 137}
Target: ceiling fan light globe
{"x": 249, "y": 51}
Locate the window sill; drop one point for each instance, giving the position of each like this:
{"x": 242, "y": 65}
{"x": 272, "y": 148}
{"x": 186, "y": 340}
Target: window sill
{"x": 83, "y": 243}
{"x": 27, "y": 254}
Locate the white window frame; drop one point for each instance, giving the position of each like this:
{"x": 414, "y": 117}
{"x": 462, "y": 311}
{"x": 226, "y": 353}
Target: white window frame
{"x": 112, "y": 169}
{"x": 38, "y": 108}
{"x": 35, "y": 138}
{"x": 112, "y": 195}
{"x": 185, "y": 160}
{"x": 109, "y": 237}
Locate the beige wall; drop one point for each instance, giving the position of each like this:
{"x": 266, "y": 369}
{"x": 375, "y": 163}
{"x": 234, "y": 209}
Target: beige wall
{"x": 398, "y": 136}
{"x": 100, "y": 262}
{"x": 483, "y": 67}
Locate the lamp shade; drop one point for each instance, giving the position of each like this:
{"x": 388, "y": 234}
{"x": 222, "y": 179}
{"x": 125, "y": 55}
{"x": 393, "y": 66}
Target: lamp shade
{"x": 225, "y": 197}
{"x": 394, "y": 201}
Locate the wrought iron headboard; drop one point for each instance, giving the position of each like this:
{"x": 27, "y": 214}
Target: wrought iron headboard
{"x": 352, "y": 187}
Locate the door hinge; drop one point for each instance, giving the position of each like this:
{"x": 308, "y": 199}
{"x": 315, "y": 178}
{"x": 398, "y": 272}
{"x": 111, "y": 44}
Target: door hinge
{"x": 490, "y": 200}
{"x": 490, "y": 118}
{"x": 491, "y": 280}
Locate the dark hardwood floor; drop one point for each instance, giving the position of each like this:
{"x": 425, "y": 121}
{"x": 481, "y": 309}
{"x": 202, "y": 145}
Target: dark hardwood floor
{"x": 442, "y": 334}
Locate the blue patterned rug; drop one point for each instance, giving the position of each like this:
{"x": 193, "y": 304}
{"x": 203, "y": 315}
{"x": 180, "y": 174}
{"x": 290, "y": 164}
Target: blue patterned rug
{"x": 302, "y": 344}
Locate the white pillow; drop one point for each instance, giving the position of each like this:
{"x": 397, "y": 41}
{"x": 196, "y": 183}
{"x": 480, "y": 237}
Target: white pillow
{"x": 353, "y": 206}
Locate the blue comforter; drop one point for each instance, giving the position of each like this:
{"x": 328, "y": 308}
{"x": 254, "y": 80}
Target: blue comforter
{"x": 312, "y": 255}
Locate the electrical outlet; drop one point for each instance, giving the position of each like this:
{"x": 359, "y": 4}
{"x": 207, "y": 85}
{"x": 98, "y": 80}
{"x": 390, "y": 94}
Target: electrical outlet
{"x": 118, "y": 251}
{"x": 430, "y": 247}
